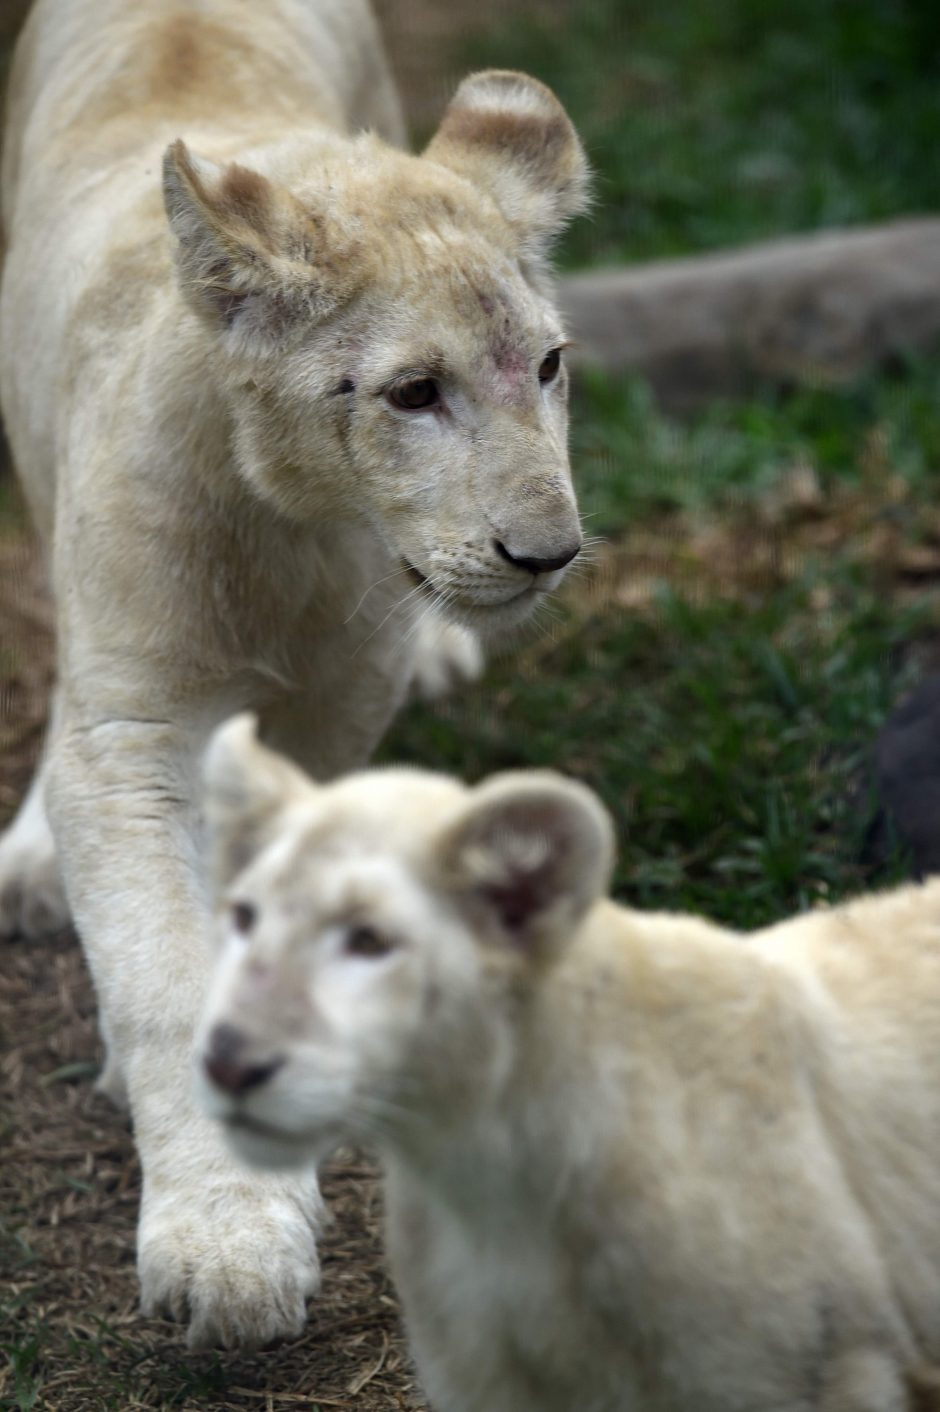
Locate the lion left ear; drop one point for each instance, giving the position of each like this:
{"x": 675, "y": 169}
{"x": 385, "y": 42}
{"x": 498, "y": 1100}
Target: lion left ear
{"x": 510, "y": 136}
{"x": 527, "y": 858}
{"x": 252, "y": 261}
{"x": 247, "y": 789}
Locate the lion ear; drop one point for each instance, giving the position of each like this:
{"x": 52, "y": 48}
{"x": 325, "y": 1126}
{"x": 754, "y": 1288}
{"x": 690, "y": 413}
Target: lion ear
{"x": 526, "y": 858}
{"x": 251, "y": 258}
{"x": 247, "y": 790}
{"x": 510, "y": 136}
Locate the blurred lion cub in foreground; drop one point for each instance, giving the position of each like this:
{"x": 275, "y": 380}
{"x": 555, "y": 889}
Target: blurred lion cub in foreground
{"x": 633, "y": 1161}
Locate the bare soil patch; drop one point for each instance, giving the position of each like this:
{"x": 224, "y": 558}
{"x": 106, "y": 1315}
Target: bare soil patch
{"x": 69, "y": 1177}
{"x": 69, "y": 1192}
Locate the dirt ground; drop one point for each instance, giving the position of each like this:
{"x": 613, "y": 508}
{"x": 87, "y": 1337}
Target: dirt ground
{"x": 69, "y": 1177}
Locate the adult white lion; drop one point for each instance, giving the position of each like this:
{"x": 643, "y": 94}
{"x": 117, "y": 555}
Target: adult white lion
{"x": 258, "y": 441}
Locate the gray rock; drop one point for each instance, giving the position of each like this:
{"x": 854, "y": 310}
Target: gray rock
{"x": 810, "y": 308}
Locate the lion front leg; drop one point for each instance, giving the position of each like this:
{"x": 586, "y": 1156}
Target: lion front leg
{"x": 230, "y": 1251}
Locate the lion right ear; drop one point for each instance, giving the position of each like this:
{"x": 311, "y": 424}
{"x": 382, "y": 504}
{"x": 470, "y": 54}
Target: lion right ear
{"x": 247, "y": 791}
{"x": 252, "y": 259}
{"x": 526, "y": 858}
{"x": 510, "y": 136}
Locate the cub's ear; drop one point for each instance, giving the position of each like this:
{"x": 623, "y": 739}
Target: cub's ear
{"x": 251, "y": 258}
{"x": 247, "y": 790}
{"x": 527, "y": 857}
{"x": 510, "y": 136}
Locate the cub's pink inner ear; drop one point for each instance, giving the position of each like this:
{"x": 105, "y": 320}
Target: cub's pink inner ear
{"x": 532, "y": 852}
{"x": 510, "y": 136}
{"x": 526, "y": 888}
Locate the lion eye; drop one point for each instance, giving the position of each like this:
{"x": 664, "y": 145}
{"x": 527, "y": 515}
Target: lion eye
{"x": 548, "y": 368}
{"x": 415, "y": 395}
{"x": 244, "y": 917}
{"x": 366, "y": 941}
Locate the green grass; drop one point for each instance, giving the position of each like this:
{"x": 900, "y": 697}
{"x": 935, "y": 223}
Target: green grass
{"x": 729, "y": 740}
{"x": 634, "y": 462}
{"x": 710, "y": 124}
{"x": 728, "y": 728}
{"x": 730, "y": 733}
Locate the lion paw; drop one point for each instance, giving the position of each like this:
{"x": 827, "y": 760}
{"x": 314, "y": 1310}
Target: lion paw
{"x": 447, "y": 655}
{"x": 237, "y": 1264}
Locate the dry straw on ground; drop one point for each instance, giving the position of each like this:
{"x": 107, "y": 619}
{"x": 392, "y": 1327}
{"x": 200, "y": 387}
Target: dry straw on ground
{"x": 69, "y": 1177}
{"x": 69, "y": 1187}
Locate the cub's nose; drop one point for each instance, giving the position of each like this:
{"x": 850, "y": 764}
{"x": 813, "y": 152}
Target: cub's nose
{"x": 228, "y": 1064}
{"x": 534, "y": 565}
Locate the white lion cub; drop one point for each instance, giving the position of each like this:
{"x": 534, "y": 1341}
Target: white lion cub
{"x": 281, "y": 396}
{"x": 633, "y": 1161}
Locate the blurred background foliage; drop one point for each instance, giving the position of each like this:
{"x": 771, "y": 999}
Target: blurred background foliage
{"x": 766, "y": 582}
{"x": 712, "y": 124}
{"x": 763, "y": 579}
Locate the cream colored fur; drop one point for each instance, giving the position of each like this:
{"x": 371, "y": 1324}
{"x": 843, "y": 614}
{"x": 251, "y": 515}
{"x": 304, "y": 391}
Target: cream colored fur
{"x": 635, "y": 1162}
{"x": 215, "y": 297}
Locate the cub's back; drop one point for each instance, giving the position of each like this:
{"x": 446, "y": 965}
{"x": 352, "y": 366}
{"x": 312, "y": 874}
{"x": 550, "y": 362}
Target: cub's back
{"x": 93, "y": 80}
{"x": 876, "y": 962}
{"x": 98, "y": 89}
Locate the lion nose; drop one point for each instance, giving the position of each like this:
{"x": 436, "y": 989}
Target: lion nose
{"x": 534, "y": 565}
{"x": 227, "y": 1064}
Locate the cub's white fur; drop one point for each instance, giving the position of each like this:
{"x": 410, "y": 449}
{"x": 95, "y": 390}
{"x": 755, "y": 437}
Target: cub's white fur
{"x": 634, "y": 1161}
{"x": 216, "y": 301}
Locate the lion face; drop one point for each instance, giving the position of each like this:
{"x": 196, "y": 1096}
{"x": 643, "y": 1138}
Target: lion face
{"x": 373, "y": 936}
{"x": 336, "y": 975}
{"x": 390, "y": 348}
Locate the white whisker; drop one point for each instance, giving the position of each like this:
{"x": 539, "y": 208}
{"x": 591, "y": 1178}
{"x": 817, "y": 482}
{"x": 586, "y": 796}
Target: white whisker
{"x": 400, "y": 603}
{"x": 445, "y": 596}
{"x": 395, "y": 571}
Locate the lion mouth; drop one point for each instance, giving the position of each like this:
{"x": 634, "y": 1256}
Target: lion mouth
{"x": 240, "y": 1124}
{"x": 270, "y": 1148}
{"x": 456, "y": 601}
{"x": 244, "y": 1122}
{"x": 417, "y": 577}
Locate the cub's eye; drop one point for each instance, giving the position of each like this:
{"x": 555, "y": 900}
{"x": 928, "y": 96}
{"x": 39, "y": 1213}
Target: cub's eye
{"x": 548, "y": 368}
{"x": 244, "y": 917}
{"x": 415, "y": 395}
{"x": 366, "y": 941}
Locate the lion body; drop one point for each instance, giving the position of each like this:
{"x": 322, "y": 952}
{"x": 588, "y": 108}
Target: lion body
{"x": 635, "y": 1162}
{"x": 200, "y": 380}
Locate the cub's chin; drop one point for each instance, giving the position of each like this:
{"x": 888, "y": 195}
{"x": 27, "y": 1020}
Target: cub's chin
{"x": 487, "y": 620}
{"x": 496, "y": 620}
{"x": 271, "y": 1149}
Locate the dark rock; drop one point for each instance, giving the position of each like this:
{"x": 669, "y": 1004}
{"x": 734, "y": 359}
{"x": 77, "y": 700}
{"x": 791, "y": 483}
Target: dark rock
{"x": 907, "y": 773}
